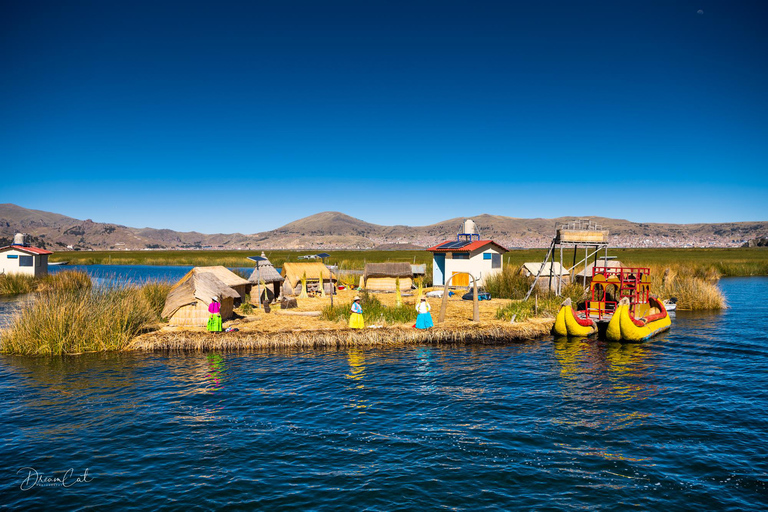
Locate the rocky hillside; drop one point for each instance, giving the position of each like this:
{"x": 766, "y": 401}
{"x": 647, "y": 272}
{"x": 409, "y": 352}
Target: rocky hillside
{"x": 334, "y": 230}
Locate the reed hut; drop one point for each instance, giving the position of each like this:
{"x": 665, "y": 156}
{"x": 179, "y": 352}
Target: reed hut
{"x": 531, "y": 268}
{"x": 187, "y": 302}
{"x": 382, "y": 277}
{"x": 315, "y": 272}
{"x": 229, "y": 278}
{"x": 267, "y": 275}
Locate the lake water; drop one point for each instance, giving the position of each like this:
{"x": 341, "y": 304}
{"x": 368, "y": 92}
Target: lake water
{"x": 135, "y": 273}
{"x": 677, "y": 423}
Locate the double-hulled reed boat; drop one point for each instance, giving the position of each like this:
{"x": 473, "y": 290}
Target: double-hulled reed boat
{"x": 620, "y": 307}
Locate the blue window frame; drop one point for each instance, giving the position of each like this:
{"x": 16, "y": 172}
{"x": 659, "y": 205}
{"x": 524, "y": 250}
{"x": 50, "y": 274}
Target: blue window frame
{"x": 487, "y": 255}
{"x": 13, "y": 256}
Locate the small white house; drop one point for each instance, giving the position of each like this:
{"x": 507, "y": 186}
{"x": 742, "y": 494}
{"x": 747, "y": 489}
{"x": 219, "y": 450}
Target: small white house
{"x": 23, "y": 259}
{"x": 459, "y": 258}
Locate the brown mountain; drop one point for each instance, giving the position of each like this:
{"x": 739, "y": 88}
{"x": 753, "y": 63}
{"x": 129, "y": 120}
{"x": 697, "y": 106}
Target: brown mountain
{"x": 334, "y": 230}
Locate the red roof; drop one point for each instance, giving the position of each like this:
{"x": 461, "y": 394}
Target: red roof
{"x": 26, "y": 248}
{"x": 472, "y": 246}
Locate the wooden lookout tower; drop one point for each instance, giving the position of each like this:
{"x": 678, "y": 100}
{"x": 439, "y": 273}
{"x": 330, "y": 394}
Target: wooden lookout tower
{"x": 581, "y": 234}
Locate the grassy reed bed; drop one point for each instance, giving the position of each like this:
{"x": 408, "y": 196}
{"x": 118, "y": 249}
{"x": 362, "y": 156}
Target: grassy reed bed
{"x": 339, "y": 338}
{"x": 75, "y": 320}
{"x": 17, "y": 284}
{"x": 694, "y": 286}
{"x": 374, "y": 312}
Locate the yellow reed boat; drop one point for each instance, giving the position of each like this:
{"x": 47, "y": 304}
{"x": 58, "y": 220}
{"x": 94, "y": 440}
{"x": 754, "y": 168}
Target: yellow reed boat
{"x": 623, "y": 325}
{"x": 571, "y": 323}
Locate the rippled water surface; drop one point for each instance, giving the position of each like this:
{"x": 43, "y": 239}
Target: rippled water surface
{"x": 675, "y": 423}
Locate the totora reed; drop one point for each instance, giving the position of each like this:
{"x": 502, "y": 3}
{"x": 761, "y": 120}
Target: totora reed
{"x": 340, "y": 338}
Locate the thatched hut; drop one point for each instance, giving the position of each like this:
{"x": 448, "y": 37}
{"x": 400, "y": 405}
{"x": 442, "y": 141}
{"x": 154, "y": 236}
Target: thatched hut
{"x": 382, "y": 277}
{"x": 229, "y": 278}
{"x": 315, "y": 273}
{"x": 187, "y": 302}
{"x": 266, "y": 274}
{"x": 531, "y": 268}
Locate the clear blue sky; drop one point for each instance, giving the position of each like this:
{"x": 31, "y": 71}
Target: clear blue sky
{"x": 243, "y": 116}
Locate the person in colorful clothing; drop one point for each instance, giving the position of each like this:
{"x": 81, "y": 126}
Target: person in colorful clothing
{"x": 424, "y": 320}
{"x": 214, "y": 321}
{"x": 356, "y": 318}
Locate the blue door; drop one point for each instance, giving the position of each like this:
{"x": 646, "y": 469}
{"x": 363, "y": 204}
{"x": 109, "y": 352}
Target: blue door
{"x": 438, "y": 269}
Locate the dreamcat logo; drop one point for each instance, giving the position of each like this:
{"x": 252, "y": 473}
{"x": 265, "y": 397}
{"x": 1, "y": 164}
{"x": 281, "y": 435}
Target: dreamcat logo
{"x": 34, "y": 478}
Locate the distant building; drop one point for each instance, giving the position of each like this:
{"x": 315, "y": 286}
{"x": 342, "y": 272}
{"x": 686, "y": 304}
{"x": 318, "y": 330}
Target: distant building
{"x": 20, "y": 258}
{"x": 465, "y": 256}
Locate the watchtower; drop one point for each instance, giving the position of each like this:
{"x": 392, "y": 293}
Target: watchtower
{"x": 577, "y": 235}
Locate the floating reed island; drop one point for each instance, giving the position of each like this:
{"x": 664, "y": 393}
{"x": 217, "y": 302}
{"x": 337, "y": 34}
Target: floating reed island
{"x": 314, "y": 323}
{"x": 65, "y": 314}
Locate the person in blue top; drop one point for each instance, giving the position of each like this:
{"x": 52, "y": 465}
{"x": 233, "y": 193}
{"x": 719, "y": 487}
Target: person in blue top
{"x": 356, "y": 318}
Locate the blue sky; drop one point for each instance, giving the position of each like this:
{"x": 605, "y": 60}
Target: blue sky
{"x": 243, "y": 116}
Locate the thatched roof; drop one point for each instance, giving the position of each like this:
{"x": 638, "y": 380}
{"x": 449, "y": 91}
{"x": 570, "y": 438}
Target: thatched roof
{"x": 224, "y": 274}
{"x": 193, "y": 287}
{"x": 266, "y": 273}
{"x": 388, "y": 270}
{"x": 314, "y": 270}
{"x": 533, "y": 268}
{"x": 600, "y": 263}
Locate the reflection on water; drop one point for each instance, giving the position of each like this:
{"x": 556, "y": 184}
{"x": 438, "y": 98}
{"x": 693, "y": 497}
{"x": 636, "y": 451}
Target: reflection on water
{"x": 215, "y": 381}
{"x": 605, "y": 377}
{"x": 425, "y": 369}
{"x": 356, "y": 361}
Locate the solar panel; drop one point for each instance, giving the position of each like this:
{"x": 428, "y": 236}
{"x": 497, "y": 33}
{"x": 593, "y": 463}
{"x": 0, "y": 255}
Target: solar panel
{"x": 454, "y": 245}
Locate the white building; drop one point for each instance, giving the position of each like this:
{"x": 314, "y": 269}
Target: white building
{"x": 23, "y": 259}
{"x": 465, "y": 256}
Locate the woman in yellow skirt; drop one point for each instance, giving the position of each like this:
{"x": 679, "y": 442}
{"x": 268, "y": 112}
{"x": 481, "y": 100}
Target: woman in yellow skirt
{"x": 356, "y": 318}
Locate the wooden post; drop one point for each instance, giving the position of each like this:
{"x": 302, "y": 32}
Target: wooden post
{"x": 258, "y": 287}
{"x": 444, "y": 303}
{"x": 476, "y": 306}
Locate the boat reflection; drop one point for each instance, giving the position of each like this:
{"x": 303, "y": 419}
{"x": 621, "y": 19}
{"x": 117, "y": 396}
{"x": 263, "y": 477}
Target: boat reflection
{"x": 357, "y": 369}
{"x": 607, "y": 377}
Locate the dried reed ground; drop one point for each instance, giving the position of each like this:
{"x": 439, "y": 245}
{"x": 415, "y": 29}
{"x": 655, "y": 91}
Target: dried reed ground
{"x": 278, "y": 329}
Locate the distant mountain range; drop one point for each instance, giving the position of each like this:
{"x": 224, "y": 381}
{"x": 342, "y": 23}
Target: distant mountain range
{"x": 334, "y": 230}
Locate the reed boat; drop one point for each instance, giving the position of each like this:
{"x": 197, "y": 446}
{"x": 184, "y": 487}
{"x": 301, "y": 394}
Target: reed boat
{"x": 571, "y": 323}
{"x": 619, "y": 306}
{"x": 623, "y": 325}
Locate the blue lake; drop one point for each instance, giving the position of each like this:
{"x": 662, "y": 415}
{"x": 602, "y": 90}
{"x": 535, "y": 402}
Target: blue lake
{"x": 135, "y": 273}
{"x": 677, "y": 423}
